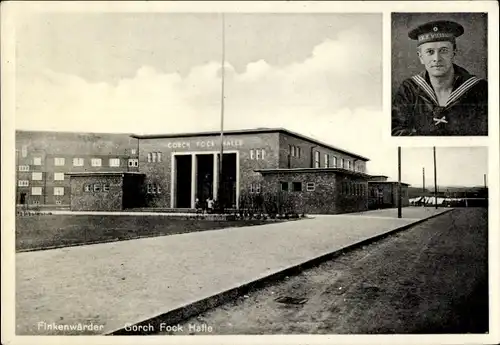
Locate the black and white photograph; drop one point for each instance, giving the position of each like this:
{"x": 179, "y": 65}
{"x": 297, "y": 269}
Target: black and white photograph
{"x": 439, "y": 74}
{"x": 232, "y": 173}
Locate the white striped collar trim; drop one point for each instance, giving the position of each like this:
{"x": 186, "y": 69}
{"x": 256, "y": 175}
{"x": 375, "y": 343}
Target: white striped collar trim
{"x": 455, "y": 95}
{"x": 459, "y": 91}
{"x": 426, "y": 87}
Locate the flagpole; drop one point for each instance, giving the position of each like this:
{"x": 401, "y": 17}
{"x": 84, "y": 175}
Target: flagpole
{"x": 219, "y": 184}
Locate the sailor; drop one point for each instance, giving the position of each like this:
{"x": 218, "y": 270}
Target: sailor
{"x": 444, "y": 99}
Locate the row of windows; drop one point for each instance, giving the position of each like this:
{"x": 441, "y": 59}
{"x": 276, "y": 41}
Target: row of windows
{"x": 24, "y": 154}
{"x": 295, "y": 151}
{"x": 154, "y": 157}
{"x": 96, "y": 187}
{"x": 297, "y": 186}
{"x": 333, "y": 162}
{"x": 95, "y": 162}
{"x": 38, "y": 191}
{"x": 153, "y": 188}
{"x": 353, "y": 188}
{"x": 38, "y": 176}
{"x": 257, "y": 154}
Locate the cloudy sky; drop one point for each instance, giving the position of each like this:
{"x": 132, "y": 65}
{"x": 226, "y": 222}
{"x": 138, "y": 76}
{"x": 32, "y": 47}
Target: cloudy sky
{"x": 316, "y": 74}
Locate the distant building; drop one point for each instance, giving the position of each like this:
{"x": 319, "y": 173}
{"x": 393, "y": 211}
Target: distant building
{"x": 384, "y": 194}
{"x": 44, "y": 159}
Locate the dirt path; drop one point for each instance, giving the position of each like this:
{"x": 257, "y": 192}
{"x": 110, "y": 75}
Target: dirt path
{"x": 431, "y": 278}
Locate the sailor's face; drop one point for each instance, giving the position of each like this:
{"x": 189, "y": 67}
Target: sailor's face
{"x": 437, "y": 57}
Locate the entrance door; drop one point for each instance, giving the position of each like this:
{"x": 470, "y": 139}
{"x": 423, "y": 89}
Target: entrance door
{"x": 22, "y": 198}
{"x": 204, "y": 177}
{"x": 183, "y": 181}
{"x": 228, "y": 180}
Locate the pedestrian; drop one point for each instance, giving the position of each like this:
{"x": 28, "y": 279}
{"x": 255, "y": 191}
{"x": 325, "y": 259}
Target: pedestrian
{"x": 444, "y": 99}
{"x": 210, "y": 205}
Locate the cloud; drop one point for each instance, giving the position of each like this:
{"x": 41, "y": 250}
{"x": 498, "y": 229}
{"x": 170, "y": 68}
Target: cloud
{"x": 333, "y": 95}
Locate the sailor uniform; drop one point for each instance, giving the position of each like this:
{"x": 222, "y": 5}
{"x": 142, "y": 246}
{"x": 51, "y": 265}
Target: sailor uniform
{"x": 416, "y": 111}
{"x": 415, "y": 107}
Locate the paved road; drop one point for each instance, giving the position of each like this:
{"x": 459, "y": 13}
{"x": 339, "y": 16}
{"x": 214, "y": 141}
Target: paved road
{"x": 429, "y": 279}
{"x": 113, "y": 284}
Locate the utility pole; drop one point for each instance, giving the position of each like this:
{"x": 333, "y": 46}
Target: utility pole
{"x": 435, "y": 179}
{"x": 219, "y": 185}
{"x": 423, "y": 180}
{"x": 399, "y": 182}
{"x": 423, "y": 187}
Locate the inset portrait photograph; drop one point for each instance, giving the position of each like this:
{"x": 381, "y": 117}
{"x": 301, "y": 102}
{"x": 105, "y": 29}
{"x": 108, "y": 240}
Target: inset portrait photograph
{"x": 439, "y": 74}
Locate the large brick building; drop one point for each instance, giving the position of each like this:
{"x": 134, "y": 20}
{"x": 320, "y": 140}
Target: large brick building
{"x": 44, "y": 159}
{"x": 177, "y": 169}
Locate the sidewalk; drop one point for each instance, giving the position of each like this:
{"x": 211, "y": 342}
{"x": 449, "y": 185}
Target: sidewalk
{"x": 115, "y": 284}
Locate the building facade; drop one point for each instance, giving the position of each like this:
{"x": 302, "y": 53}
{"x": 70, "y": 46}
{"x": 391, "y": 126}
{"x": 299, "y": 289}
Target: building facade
{"x": 186, "y": 166}
{"x": 384, "y": 194}
{"x": 177, "y": 169}
{"x": 44, "y": 159}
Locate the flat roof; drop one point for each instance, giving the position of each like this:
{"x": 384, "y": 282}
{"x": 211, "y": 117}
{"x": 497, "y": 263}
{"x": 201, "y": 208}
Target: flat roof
{"x": 106, "y": 173}
{"x": 247, "y": 131}
{"x": 312, "y": 170}
{"x": 389, "y": 182}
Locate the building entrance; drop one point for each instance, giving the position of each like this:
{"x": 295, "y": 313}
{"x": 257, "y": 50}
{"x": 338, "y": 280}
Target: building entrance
{"x": 196, "y": 176}
{"x": 183, "y": 181}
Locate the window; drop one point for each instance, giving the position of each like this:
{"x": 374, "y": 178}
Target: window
{"x": 87, "y": 188}
{"x": 342, "y": 163}
{"x": 284, "y": 186}
{"x": 23, "y": 183}
{"x": 154, "y": 157}
{"x": 97, "y": 188}
{"x": 257, "y": 154}
{"x": 133, "y": 152}
{"x": 133, "y": 162}
{"x": 310, "y": 186}
{"x": 316, "y": 159}
{"x": 77, "y": 162}
{"x": 252, "y": 154}
{"x": 36, "y": 190}
{"x": 59, "y": 161}
{"x": 153, "y": 188}
{"x": 35, "y": 202}
{"x": 58, "y": 190}
{"x": 297, "y": 186}
{"x": 58, "y": 202}
{"x": 36, "y": 176}
{"x": 37, "y": 161}
{"x": 255, "y": 188}
{"x": 114, "y": 162}
{"x": 24, "y": 168}
{"x": 334, "y": 162}
{"x": 292, "y": 150}
{"x": 105, "y": 187}
{"x": 262, "y": 154}
{"x": 327, "y": 160}
{"x": 298, "y": 151}
{"x": 24, "y": 151}
{"x": 58, "y": 176}
{"x": 96, "y": 162}
{"x": 349, "y": 164}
